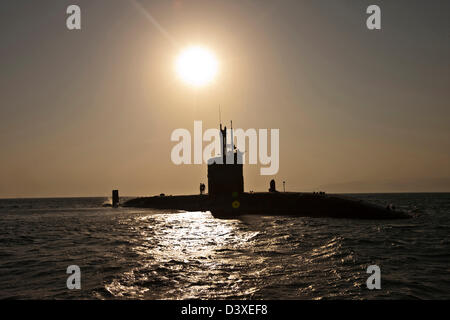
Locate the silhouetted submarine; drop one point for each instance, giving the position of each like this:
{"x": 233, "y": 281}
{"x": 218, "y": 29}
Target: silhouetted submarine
{"x": 226, "y": 197}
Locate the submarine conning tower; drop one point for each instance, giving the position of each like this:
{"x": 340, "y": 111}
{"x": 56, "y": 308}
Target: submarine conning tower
{"x": 225, "y": 172}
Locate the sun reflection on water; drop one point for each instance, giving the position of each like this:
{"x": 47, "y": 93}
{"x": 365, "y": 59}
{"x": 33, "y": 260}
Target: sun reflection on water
{"x": 188, "y": 254}
{"x": 192, "y": 255}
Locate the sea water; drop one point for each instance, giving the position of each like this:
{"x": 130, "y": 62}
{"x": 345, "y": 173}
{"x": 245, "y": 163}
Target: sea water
{"x": 128, "y": 253}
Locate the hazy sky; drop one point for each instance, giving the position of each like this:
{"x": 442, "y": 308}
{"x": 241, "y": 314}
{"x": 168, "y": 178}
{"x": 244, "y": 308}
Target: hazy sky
{"x": 83, "y": 112}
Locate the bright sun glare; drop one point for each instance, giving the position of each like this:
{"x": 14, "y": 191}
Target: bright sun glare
{"x": 196, "y": 66}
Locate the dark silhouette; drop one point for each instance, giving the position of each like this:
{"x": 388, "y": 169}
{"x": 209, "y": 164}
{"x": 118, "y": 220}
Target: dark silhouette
{"x": 227, "y": 199}
{"x": 271, "y": 204}
{"x": 272, "y": 186}
{"x": 225, "y": 178}
{"x": 202, "y": 188}
{"x": 115, "y": 198}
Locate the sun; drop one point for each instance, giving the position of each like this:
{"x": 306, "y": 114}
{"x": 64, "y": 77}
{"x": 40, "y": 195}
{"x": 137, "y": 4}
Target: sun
{"x": 196, "y": 65}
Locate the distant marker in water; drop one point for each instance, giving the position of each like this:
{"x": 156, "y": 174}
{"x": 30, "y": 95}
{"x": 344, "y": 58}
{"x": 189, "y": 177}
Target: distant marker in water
{"x": 115, "y": 198}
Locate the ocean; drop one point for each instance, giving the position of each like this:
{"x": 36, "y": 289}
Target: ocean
{"x": 128, "y": 253}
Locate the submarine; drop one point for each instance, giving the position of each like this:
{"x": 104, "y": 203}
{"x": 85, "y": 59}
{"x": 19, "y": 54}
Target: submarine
{"x": 226, "y": 197}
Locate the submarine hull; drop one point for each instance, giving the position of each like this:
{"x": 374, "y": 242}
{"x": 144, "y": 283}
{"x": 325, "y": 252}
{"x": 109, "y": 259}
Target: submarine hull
{"x": 272, "y": 204}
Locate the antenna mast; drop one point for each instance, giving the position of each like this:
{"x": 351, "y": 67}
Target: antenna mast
{"x": 232, "y": 140}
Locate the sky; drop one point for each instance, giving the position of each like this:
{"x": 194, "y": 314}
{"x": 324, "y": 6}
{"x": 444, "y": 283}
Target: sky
{"x": 86, "y": 111}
